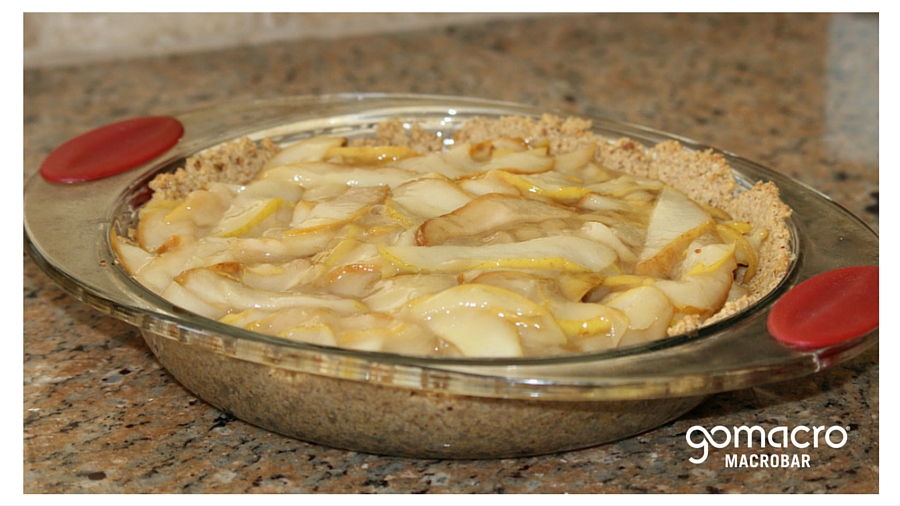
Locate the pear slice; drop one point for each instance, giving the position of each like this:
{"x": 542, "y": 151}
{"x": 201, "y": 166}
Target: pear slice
{"x": 565, "y": 253}
{"x": 245, "y": 215}
{"x": 225, "y": 294}
{"x": 382, "y": 332}
{"x": 453, "y": 164}
{"x": 252, "y": 250}
{"x": 484, "y": 320}
{"x": 597, "y": 202}
{"x": 271, "y": 188}
{"x": 280, "y": 320}
{"x": 478, "y": 186}
{"x": 158, "y": 273}
{"x": 709, "y": 274}
{"x": 485, "y": 214}
{"x": 597, "y": 231}
{"x": 626, "y": 185}
{"x": 181, "y": 297}
{"x": 745, "y": 254}
{"x": 202, "y": 207}
{"x": 484, "y": 150}
{"x": 307, "y": 150}
{"x": 343, "y": 209}
{"x": 526, "y": 284}
{"x": 426, "y": 198}
{"x": 544, "y": 184}
{"x": 392, "y": 293}
{"x": 153, "y": 230}
{"x": 316, "y": 174}
{"x": 649, "y": 313}
{"x": 242, "y": 318}
{"x": 131, "y": 256}
{"x": 674, "y": 223}
{"x": 574, "y": 161}
{"x": 368, "y": 155}
{"x": 531, "y": 161}
{"x": 277, "y": 277}
{"x": 590, "y": 327}
{"x": 312, "y": 334}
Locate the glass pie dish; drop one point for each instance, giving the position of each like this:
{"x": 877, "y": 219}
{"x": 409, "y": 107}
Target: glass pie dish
{"x": 429, "y": 407}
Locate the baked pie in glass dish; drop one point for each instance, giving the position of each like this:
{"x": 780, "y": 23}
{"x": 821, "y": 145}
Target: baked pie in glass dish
{"x": 448, "y": 277}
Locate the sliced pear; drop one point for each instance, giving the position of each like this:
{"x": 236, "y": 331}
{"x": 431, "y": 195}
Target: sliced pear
{"x": 153, "y": 230}
{"x": 245, "y": 215}
{"x": 596, "y": 202}
{"x": 352, "y": 281}
{"x": 574, "y": 161}
{"x": 307, "y": 150}
{"x": 566, "y": 253}
{"x": 277, "y": 277}
{"x": 626, "y": 185}
{"x": 485, "y": 150}
{"x": 459, "y": 157}
{"x": 271, "y": 188}
{"x": 575, "y": 286}
{"x": 185, "y": 299}
{"x": 316, "y": 174}
{"x": 674, "y": 223}
{"x": 597, "y": 231}
{"x": 532, "y": 287}
{"x": 649, "y": 313}
{"x": 531, "y": 161}
{"x": 305, "y": 325}
{"x": 243, "y": 318}
{"x": 321, "y": 335}
{"x": 408, "y": 338}
{"x": 251, "y": 319}
{"x": 478, "y": 186}
{"x": 132, "y": 257}
{"x": 454, "y": 163}
{"x": 392, "y": 293}
{"x": 225, "y": 294}
{"x": 705, "y": 286}
{"x": 381, "y": 332}
{"x": 253, "y": 250}
{"x": 545, "y": 184}
{"x": 426, "y": 198}
{"x": 581, "y": 320}
{"x": 203, "y": 208}
{"x": 349, "y": 251}
{"x": 482, "y": 320}
{"x": 368, "y": 155}
{"x": 343, "y": 209}
{"x": 487, "y": 213}
{"x": 160, "y": 271}
{"x": 745, "y": 253}
{"x": 552, "y": 185}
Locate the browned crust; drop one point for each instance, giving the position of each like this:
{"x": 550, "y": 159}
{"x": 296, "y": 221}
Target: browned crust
{"x": 236, "y": 162}
{"x": 393, "y": 133}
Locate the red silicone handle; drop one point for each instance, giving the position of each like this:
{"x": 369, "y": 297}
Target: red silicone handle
{"x": 828, "y": 308}
{"x": 111, "y": 149}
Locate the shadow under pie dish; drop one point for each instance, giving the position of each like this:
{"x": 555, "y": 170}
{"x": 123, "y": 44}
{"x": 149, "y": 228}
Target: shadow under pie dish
{"x": 449, "y": 405}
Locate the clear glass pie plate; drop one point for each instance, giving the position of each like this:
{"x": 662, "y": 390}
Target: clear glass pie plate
{"x": 428, "y": 406}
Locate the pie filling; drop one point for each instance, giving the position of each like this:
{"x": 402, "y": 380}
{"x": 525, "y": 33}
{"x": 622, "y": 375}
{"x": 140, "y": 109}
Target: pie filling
{"x": 522, "y": 237}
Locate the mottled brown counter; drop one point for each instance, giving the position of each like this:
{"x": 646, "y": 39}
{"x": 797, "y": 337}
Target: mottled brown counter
{"x": 798, "y": 93}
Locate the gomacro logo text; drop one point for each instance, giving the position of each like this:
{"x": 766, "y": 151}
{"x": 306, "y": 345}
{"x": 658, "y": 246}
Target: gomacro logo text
{"x": 777, "y": 437}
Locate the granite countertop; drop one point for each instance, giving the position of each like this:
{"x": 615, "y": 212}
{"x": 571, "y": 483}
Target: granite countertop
{"x": 798, "y": 93}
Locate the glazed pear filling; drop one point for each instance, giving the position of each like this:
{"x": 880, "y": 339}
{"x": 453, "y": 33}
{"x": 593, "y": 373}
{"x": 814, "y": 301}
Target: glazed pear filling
{"x": 505, "y": 247}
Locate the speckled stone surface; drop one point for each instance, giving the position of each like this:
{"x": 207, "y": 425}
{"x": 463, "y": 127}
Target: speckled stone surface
{"x": 797, "y": 93}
